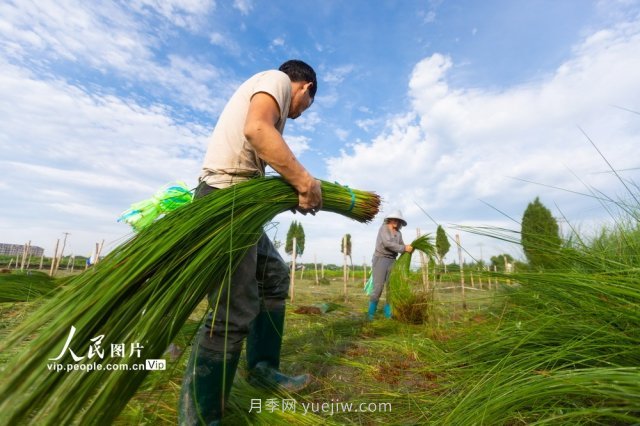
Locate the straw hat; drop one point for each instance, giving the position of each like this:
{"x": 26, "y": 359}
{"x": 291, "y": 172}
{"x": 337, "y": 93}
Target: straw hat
{"x": 396, "y": 215}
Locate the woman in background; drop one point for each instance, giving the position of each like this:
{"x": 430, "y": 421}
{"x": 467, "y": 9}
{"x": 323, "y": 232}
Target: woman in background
{"x": 388, "y": 245}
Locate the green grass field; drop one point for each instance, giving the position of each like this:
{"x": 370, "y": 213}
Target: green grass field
{"x": 558, "y": 346}
{"x": 395, "y": 367}
{"x": 380, "y": 372}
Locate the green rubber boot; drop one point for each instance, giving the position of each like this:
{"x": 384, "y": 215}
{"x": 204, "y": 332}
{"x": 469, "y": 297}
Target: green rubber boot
{"x": 263, "y": 354}
{"x": 206, "y": 386}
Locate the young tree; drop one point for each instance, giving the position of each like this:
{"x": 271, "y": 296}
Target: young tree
{"x": 295, "y": 231}
{"x": 500, "y": 260}
{"x": 345, "y": 249}
{"x": 345, "y": 246}
{"x": 540, "y": 235}
{"x": 442, "y": 244}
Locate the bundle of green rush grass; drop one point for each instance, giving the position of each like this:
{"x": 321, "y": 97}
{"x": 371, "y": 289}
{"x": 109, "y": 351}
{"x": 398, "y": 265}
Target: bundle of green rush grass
{"x": 140, "y": 295}
{"x": 409, "y": 306}
{"x": 25, "y": 286}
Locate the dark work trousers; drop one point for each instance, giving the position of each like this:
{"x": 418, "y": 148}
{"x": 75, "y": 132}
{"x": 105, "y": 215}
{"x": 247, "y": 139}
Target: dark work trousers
{"x": 381, "y": 271}
{"x": 261, "y": 282}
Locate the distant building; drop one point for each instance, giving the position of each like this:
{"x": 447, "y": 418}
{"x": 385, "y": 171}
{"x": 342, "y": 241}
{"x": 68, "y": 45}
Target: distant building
{"x": 17, "y": 249}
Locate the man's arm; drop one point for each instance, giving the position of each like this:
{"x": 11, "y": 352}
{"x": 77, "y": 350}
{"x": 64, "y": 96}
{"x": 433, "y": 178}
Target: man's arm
{"x": 260, "y": 131}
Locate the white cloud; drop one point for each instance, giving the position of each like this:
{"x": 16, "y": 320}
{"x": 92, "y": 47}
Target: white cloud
{"x": 307, "y": 121}
{"x": 244, "y": 6}
{"x": 71, "y": 31}
{"x": 109, "y": 39}
{"x": 277, "y": 42}
{"x": 182, "y": 13}
{"x": 74, "y": 161}
{"x": 298, "y": 144}
{"x": 337, "y": 75}
{"x": 430, "y": 17}
{"x": 327, "y": 98}
{"x": 457, "y": 145}
{"x": 366, "y": 123}
{"x": 342, "y": 134}
{"x": 225, "y": 42}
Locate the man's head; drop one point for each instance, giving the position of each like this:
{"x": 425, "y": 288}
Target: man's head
{"x": 304, "y": 86}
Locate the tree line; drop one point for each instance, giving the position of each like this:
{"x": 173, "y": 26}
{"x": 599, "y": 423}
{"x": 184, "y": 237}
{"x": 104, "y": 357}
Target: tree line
{"x": 540, "y": 239}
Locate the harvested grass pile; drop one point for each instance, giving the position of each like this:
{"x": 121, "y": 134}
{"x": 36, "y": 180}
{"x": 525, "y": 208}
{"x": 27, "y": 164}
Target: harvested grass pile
{"x": 317, "y": 309}
{"x": 141, "y": 294}
{"x": 409, "y": 306}
{"x": 25, "y": 286}
{"x": 414, "y": 309}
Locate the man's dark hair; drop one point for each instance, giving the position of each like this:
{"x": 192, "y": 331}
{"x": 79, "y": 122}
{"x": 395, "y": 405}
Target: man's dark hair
{"x": 300, "y": 71}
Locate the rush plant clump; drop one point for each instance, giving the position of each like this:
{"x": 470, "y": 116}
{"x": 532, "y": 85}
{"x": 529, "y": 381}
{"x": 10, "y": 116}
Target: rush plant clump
{"x": 409, "y": 305}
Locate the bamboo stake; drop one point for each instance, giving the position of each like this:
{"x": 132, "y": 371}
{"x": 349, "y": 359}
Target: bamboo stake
{"x": 464, "y": 303}
{"x": 53, "y": 259}
{"x": 25, "y": 248}
{"x": 364, "y": 275}
{"x": 424, "y": 267}
{"x": 344, "y": 267}
{"x": 495, "y": 270}
{"x": 293, "y": 272}
{"x": 28, "y": 254}
{"x": 315, "y": 266}
{"x": 506, "y": 268}
{"x": 98, "y": 252}
{"x": 22, "y": 254}
{"x": 95, "y": 254}
{"x": 59, "y": 258}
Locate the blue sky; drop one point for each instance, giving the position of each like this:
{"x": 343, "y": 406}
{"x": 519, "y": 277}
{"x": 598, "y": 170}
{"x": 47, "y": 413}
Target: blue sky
{"x": 442, "y": 106}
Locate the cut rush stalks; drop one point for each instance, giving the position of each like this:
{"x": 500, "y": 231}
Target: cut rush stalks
{"x": 409, "y": 306}
{"x": 142, "y": 293}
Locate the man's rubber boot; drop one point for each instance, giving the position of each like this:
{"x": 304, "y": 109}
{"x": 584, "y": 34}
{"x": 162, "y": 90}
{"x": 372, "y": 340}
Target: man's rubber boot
{"x": 206, "y": 386}
{"x": 387, "y": 311}
{"x": 263, "y": 354}
{"x": 372, "y": 310}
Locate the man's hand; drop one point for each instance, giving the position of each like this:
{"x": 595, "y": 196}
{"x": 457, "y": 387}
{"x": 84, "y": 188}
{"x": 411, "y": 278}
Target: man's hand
{"x": 408, "y": 248}
{"x": 310, "y": 197}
